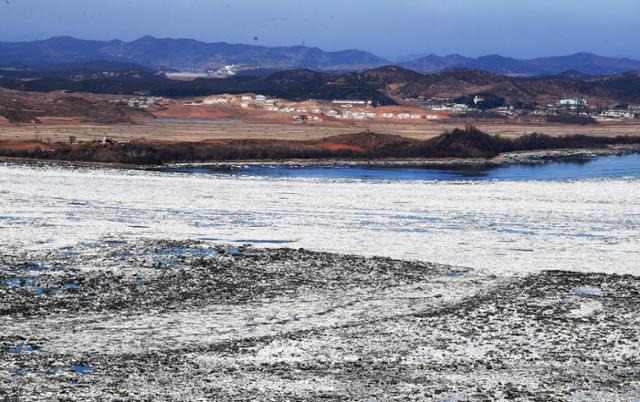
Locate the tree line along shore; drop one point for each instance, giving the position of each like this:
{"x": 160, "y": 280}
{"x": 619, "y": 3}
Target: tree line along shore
{"x": 469, "y": 142}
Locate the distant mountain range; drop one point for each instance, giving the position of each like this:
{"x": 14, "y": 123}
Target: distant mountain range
{"x": 584, "y": 63}
{"x": 189, "y": 54}
{"x": 181, "y": 54}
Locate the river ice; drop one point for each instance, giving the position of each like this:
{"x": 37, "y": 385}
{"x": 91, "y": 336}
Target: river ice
{"x": 100, "y": 300}
{"x": 522, "y": 226}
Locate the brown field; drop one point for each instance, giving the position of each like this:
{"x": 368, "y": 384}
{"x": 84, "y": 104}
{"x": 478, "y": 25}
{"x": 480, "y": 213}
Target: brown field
{"x": 469, "y": 143}
{"x": 177, "y": 121}
{"x": 185, "y": 130}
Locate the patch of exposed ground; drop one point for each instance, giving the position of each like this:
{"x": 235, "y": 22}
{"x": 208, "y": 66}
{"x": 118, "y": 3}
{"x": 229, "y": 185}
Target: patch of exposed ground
{"x": 191, "y": 320}
{"x": 183, "y": 129}
{"x": 59, "y": 107}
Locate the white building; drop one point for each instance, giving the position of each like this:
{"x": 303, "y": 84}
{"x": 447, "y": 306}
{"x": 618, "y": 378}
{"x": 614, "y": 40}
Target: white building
{"x": 575, "y": 102}
{"x": 226, "y": 71}
{"x": 618, "y": 114}
{"x": 350, "y": 102}
{"x": 353, "y": 116}
{"x": 216, "y": 101}
{"x": 460, "y": 108}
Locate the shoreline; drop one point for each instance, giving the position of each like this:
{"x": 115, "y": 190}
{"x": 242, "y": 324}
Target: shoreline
{"x": 506, "y": 159}
{"x": 539, "y": 157}
{"x": 458, "y": 147}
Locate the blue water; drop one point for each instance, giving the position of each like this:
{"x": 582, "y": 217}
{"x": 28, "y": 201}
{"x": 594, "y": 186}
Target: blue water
{"x": 22, "y": 347}
{"x": 603, "y": 167}
{"x": 81, "y": 368}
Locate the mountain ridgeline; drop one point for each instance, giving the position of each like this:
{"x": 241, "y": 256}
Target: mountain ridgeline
{"x": 383, "y": 86}
{"x": 192, "y": 55}
{"x": 584, "y": 63}
{"x": 180, "y": 54}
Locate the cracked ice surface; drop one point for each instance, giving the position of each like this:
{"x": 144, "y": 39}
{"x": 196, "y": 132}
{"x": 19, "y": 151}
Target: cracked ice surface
{"x": 522, "y": 226}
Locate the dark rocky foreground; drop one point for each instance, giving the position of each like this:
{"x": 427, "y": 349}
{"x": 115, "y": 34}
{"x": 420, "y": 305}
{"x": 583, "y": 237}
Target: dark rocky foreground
{"x": 191, "y": 321}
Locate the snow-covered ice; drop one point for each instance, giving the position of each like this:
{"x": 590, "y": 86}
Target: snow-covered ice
{"x": 100, "y": 300}
{"x": 523, "y": 226}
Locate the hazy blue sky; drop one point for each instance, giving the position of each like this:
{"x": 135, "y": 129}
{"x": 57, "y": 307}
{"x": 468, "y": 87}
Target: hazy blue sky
{"x": 520, "y": 28}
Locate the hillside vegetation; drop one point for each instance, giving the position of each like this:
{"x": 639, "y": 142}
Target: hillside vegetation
{"x": 384, "y": 86}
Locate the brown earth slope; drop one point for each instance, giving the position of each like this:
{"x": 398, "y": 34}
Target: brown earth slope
{"x": 30, "y": 107}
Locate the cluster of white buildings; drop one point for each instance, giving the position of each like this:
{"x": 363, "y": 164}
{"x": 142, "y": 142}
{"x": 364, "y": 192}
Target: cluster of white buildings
{"x": 506, "y": 110}
{"x": 579, "y": 104}
{"x": 408, "y": 116}
{"x": 368, "y": 115}
{"x": 286, "y": 109}
{"x": 140, "y": 102}
{"x": 257, "y": 101}
{"x": 348, "y": 104}
{"x": 573, "y": 103}
{"x": 216, "y": 101}
{"x": 356, "y": 116}
{"x": 341, "y": 108}
{"x": 573, "y": 106}
{"x": 617, "y": 114}
{"x": 447, "y": 106}
{"x": 450, "y": 108}
{"x": 227, "y": 71}
{"x": 352, "y": 115}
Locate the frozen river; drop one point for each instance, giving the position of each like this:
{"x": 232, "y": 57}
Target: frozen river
{"x": 585, "y": 225}
{"x": 97, "y": 305}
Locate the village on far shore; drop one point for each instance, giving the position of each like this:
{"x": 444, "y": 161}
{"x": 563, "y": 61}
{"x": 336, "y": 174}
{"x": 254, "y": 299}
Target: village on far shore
{"x": 412, "y": 110}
